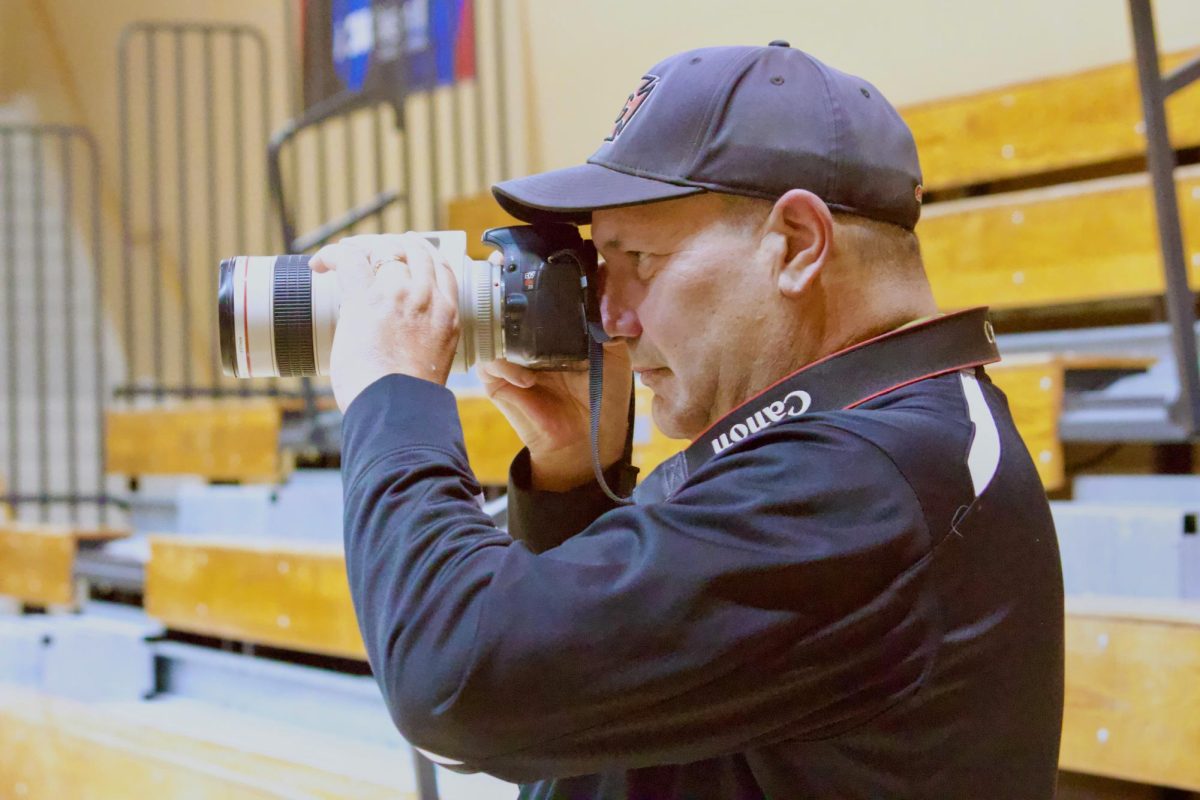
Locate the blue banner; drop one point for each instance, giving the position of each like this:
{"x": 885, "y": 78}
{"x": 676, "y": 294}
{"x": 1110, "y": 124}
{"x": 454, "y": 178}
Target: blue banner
{"x": 441, "y": 42}
{"x": 353, "y": 39}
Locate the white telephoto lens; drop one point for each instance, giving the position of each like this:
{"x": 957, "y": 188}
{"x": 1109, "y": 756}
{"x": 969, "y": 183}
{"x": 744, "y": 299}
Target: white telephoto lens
{"x": 277, "y": 318}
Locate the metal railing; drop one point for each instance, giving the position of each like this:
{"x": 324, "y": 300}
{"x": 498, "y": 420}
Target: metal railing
{"x": 194, "y": 104}
{"x": 1162, "y": 160}
{"x": 56, "y": 360}
{"x": 428, "y": 127}
{"x": 375, "y": 137}
{"x": 194, "y": 111}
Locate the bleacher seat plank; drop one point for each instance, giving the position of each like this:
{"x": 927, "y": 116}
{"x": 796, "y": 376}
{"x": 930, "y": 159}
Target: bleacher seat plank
{"x": 1041, "y": 126}
{"x": 651, "y": 446}
{"x": 296, "y": 405}
{"x": 1096, "y": 361}
{"x": 475, "y": 214}
{"x": 52, "y": 747}
{"x": 1132, "y": 707}
{"x": 37, "y": 561}
{"x": 6, "y": 509}
{"x": 1034, "y": 387}
{"x": 274, "y": 592}
{"x": 1083, "y": 242}
{"x": 492, "y": 443}
{"x": 235, "y": 440}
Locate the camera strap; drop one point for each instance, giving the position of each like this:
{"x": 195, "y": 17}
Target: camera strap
{"x": 843, "y": 380}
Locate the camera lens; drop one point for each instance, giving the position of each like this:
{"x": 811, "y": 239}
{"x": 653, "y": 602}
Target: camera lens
{"x": 277, "y": 317}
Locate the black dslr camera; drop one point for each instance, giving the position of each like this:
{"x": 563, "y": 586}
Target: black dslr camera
{"x": 536, "y": 307}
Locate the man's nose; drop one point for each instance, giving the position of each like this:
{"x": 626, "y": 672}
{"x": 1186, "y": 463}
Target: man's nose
{"x": 619, "y": 318}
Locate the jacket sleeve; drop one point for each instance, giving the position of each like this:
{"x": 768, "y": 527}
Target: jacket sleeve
{"x": 781, "y": 594}
{"x": 541, "y": 519}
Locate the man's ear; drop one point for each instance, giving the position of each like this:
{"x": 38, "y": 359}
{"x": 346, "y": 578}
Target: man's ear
{"x": 806, "y": 225}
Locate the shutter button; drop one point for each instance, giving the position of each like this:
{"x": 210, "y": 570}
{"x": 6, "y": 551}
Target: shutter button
{"x": 779, "y": 43}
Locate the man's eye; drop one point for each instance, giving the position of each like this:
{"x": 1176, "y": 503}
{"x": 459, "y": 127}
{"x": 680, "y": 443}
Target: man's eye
{"x": 644, "y": 264}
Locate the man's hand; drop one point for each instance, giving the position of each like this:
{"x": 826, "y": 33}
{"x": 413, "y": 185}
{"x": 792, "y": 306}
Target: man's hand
{"x": 399, "y": 311}
{"x": 549, "y": 411}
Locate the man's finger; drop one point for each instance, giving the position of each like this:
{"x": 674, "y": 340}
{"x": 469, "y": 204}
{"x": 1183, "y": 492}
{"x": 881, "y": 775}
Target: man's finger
{"x": 500, "y": 370}
{"x": 352, "y": 265}
{"x": 378, "y": 246}
{"x": 420, "y": 255}
{"x": 392, "y": 276}
{"x": 447, "y": 283}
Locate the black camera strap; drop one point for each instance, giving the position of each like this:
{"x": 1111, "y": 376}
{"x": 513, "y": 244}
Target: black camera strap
{"x": 843, "y": 380}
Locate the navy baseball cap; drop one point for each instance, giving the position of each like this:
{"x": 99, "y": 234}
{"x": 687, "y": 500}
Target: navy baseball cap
{"x": 752, "y": 121}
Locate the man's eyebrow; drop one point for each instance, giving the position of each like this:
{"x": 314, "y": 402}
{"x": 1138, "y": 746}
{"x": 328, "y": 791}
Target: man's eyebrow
{"x": 611, "y": 244}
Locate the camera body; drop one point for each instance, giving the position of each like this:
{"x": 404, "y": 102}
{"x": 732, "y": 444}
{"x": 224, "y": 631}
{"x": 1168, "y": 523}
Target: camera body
{"x": 277, "y": 318}
{"x": 547, "y": 282}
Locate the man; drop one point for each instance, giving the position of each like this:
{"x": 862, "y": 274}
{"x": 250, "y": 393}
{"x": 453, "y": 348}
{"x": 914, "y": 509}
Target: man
{"x": 851, "y": 599}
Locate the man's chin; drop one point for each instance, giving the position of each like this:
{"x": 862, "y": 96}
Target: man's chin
{"x": 669, "y": 421}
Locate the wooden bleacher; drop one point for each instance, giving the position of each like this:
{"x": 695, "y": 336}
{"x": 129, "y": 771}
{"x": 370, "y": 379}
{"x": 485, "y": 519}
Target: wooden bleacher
{"x": 53, "y": 747}
{"x": 492, "y": 443}
{"x": 275, "y": 592}
{"x": 1132, "y": 708}
{"x": 1034, "y": 387}
{"x": 1044, "y": 126}
{"x": 237, "y": 440}
{"x": 1015, "y": 250}
{"x": 37, "y": 562}
{"x": 1132, "y": 701}
{"x": 234, "y": 440}
{"x": 1031, "y": 248}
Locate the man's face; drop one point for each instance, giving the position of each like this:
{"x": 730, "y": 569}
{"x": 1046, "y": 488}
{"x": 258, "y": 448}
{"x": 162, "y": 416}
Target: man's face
{"x": 683, "y": 284}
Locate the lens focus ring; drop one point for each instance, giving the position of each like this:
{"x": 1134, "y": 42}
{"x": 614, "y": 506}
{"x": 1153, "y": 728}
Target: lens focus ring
{"x": 292, "y": 317}
{"x": 484, "y": 319}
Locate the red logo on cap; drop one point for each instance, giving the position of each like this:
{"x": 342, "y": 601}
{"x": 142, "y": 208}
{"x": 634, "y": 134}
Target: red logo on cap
{"x": 632, "y": 105}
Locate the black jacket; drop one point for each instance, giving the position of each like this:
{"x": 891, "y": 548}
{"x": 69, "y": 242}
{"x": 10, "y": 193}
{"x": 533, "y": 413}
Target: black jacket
{"x": 825, "y": 610}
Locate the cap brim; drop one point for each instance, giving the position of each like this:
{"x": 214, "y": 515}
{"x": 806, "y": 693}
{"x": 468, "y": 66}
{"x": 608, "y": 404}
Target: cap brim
{"x": 572, "y": 194}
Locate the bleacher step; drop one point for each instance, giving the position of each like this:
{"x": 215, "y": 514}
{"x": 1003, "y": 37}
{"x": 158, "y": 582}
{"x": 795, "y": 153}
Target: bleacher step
{"x": 1114, "y": 405}
{"x": 1132, "y": 706}
{"x": 1128, "y": 550}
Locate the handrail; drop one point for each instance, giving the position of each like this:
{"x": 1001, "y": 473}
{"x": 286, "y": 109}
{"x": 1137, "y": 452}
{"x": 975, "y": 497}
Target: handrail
{"x": 1161, "y": 159}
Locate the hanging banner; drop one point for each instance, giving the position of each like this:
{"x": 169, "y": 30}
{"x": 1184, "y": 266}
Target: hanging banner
{"x": 383, "y": 49}
{"x": 353, "y": 38}
{"x": 354, "y": 47}
{"x": 441, "y": 42}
